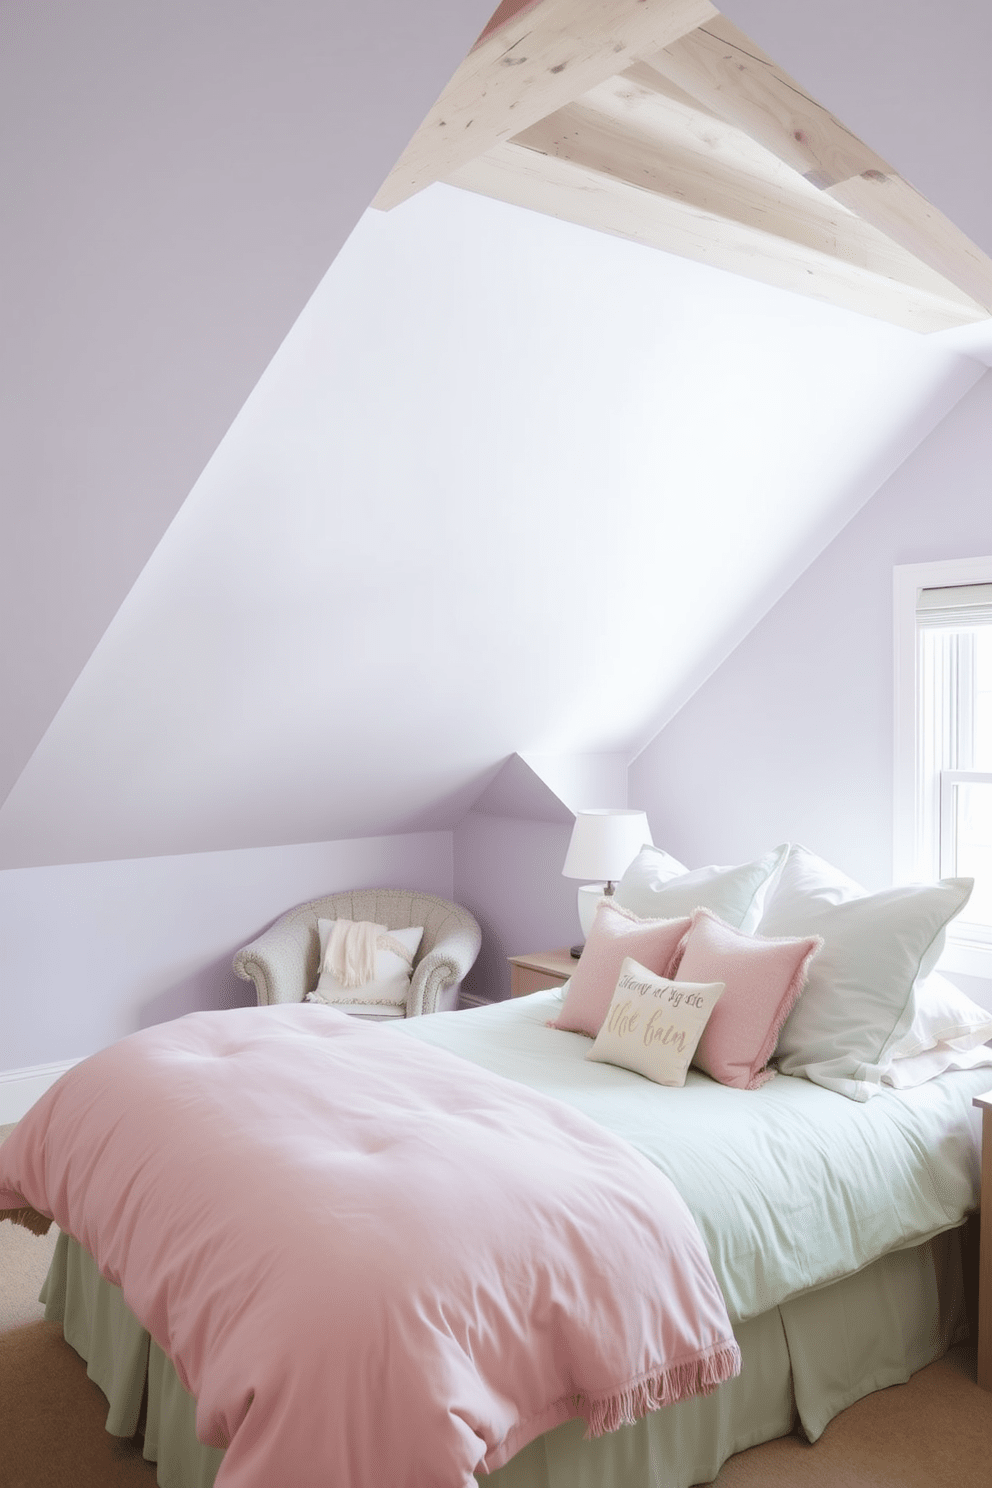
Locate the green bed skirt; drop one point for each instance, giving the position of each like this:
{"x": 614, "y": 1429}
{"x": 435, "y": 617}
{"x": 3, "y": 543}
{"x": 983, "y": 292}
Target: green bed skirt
{"x": 811, "y": 1357}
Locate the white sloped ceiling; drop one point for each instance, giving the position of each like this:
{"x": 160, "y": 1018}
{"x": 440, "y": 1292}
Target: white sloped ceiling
{"x": 507, "y": 485}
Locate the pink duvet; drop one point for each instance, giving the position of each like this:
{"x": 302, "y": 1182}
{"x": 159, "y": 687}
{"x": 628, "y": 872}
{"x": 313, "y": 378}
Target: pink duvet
{"x": 373, "y": 1264}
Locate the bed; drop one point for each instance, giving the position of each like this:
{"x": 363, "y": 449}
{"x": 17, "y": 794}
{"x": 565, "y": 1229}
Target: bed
{"x": 831, "y": 1222}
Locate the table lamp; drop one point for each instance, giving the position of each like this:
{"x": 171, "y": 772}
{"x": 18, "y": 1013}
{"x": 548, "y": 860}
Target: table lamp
{"x": 604, "y": 842}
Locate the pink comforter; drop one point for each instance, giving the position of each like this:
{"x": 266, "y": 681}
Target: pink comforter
{"x": 372, "y": 1263}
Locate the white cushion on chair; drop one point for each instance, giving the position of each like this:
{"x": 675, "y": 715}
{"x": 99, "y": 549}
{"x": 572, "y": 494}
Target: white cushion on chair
{"x": 383, "y": 997}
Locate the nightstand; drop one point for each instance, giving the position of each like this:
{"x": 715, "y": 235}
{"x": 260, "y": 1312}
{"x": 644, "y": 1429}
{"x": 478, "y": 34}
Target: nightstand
{"x": 984, "y": 1102}
{"x": 542, "y": 969}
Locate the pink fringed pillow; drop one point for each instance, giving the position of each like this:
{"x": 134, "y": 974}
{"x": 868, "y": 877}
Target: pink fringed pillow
{"x": 615, "y": 933}
{"x": 763, "y": 979}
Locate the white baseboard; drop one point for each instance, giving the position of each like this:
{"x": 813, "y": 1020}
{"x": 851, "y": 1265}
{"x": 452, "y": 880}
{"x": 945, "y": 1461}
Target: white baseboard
{"x": 20, "y": 1088}
{"x": 473, "y": 999}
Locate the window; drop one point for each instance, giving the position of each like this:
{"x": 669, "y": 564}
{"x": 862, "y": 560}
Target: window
{"x": 943, "y": 806}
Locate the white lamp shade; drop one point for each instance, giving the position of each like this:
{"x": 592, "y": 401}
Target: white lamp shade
{"x": 605, "y": 842}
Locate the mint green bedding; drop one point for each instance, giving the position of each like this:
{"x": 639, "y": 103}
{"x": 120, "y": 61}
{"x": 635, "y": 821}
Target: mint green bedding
{"x": 792, "y": 1186}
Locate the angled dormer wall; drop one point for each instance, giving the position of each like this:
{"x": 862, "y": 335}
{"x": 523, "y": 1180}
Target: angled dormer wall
{"x": 792, "y": 737}
{"x": 508, "y": 853}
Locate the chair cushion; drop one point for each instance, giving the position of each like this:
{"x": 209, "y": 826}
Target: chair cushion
{"x": 388, "y": 988}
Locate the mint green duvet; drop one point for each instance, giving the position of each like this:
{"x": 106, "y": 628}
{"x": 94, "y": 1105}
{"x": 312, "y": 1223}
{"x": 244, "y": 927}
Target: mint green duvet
{"x": 791, "y": 1185}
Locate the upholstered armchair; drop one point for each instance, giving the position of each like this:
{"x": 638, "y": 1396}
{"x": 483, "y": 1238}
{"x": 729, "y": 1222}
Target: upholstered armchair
{"x": 283, "y": 962}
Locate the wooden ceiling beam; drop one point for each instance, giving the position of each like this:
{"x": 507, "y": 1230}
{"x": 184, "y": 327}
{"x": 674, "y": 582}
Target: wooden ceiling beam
{"x": 577, "y": 193}
{"x": 639, "y": 129}
{"x": 538, "y": 60}
{"x": 729, "y": 75}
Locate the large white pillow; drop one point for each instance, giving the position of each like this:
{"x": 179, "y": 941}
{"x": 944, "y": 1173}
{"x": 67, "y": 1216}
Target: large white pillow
{"x": 657, "y": 886}
{"x": 386, "y": 992}
{"x": 859, "y": 998}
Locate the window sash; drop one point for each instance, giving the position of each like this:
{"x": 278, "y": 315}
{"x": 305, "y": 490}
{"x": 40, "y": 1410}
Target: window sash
{"x": 970, "y": 925}
{"x": 917, "y": 599}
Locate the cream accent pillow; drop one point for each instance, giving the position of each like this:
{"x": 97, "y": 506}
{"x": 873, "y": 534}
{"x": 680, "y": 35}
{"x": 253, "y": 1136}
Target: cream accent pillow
{"x": 654, "y": 1024}
{"x": 389, "y": 987}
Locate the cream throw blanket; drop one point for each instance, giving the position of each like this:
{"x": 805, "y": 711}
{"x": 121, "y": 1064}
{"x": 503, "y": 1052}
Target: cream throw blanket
{"x": 351, "y": 951}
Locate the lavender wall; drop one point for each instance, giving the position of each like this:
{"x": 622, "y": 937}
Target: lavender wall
{"x": 509, "y": 851}
{"x": 508, "y": 873}
{"x": 792, "y": 737}
{"x": 93, "y": 951}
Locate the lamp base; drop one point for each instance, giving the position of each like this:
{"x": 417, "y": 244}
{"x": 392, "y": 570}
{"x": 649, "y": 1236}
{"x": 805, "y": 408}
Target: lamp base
{"x": 588, "y": 899}
{"x": 589, "y": 896}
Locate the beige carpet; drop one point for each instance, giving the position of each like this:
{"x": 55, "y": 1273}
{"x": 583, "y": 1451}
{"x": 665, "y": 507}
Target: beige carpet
{"x": 24, "y": 1260}
{"x": 932, "y": 1432}
{"x": 936, "y": 1430}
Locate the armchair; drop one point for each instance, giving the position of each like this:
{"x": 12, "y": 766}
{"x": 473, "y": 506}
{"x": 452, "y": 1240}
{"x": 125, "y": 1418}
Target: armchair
{"x": 283, "y": 962}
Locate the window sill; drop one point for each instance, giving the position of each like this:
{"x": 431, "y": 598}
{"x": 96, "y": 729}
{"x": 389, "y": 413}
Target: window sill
{"x": 969, "y": 957}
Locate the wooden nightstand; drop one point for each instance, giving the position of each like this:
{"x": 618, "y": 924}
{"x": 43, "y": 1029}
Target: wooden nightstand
{"x": 542, "y": 969}
{"x": 984, "y": 1102}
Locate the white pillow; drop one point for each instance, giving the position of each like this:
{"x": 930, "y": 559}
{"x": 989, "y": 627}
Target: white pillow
{"x": 656, "y": 886}
{"x": 859, "y": 998}
{"x": 386, "y": 992}
{"x": 905, "y": 1074}
{"x": 949, "y": 1032}
{"x": 944, "y": 1015}
{"x": 654, "y": 1024}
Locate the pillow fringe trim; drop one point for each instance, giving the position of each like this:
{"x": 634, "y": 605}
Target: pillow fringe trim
{"x": 793, "y": 992}
{"x": 762, "y": 1072}
{"x": 698, "y": 1376}
{"x": 28, "y": 1219}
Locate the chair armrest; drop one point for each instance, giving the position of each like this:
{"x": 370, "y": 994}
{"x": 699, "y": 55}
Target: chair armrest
{"x": 277, "y": 963}
{"x": 449, "y": 960}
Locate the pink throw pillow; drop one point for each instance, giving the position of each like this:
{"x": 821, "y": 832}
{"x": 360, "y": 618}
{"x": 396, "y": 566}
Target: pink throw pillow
{"x": 615, "y": 933}
{"x": 763, "y": 979}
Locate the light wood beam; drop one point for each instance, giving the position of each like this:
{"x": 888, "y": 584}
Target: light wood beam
{"x": 575, "y": 193}
{"x": 539, "y": 60}
{"x": 650, "y": 136}
{"x": 504, "y": 12}
{"x": 728, "y": 74}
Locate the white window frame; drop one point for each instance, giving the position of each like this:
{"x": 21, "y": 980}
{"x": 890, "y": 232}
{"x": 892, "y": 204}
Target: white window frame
{"x": 963, "y": 955}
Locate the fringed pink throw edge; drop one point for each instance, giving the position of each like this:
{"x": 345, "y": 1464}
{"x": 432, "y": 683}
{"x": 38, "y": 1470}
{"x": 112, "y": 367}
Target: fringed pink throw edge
{"x": 28, "y": 1218}
{"x": 698, "y": 1376}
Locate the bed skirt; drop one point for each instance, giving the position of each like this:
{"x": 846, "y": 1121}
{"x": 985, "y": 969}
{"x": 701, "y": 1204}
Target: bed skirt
{"x": 809, "y": 1358}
